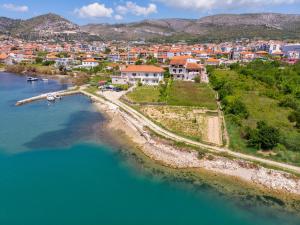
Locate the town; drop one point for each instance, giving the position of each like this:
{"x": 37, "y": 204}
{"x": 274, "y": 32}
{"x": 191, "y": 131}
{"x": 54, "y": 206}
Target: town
{"x": 135, "y": 62}
{"x": 150, "y": 112}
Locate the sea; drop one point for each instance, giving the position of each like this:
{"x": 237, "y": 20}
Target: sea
{"x": 58, "y": 166}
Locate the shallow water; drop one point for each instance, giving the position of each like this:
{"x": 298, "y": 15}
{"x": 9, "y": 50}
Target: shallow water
{"x": 55, "y": 168}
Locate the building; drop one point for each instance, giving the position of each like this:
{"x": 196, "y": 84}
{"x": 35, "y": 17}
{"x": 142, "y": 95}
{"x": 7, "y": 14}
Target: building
{"x": 212, "y": 62}
{"x": 89, "y": 63}
{"x": 292, "y": 51}
{"x": 185, "y": 68}
{"x": 146, "y": 74}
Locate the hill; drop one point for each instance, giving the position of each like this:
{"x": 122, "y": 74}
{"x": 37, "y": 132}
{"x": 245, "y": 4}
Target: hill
{"x": 220, "y": 27}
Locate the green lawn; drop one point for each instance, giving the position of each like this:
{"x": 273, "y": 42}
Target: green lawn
{"x": 178, "y": 93}
{"x": 144, "y": 94}
{"x": 191, "y": 94}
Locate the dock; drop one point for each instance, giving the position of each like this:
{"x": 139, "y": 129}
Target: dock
{"x": 44, "y": 96}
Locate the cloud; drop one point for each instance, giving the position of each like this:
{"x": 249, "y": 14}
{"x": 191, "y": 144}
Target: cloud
{"x": 118, "y": 17}
{"x": 133, "y": 8}
{"x": 94, "y": 10}
{"x": 16, "y": 8}
{"x": 206, "y": 5}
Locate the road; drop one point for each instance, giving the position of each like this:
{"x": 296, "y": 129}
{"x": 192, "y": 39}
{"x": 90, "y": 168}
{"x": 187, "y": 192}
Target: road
{"x": 142, "y": 120}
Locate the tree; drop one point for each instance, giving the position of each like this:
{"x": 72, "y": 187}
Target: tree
{"x": 263, "y": 137}
{"x": 39, "y": 60}
{"x": 197, "y": 79}
{"x": 107, "y": 51}
{"x": 139, "y": 62}
{"x": 235, "y": 107}
{"x": 294, "y": 117}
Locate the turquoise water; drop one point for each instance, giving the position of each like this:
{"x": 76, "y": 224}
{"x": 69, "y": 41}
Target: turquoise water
{"x": 55, "y": 168}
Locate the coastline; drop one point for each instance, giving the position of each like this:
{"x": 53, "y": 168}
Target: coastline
{"x": 167, "y": 154}
{"x": 197, "y": 163}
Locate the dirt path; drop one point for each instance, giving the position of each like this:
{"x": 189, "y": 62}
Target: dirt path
{"x": 214, "y": 130}
{"x": 141, "y": 120}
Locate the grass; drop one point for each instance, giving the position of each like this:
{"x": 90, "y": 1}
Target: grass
{"x": 145, "y": 94}
{"x": 178, "y": 93}
{"x": 261, "y": 108}
{"x": 191, "y": 94}
{"x": 92, "y": 89}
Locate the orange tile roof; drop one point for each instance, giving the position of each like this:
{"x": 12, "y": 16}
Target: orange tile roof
{"x": 262, "y": 52}
{"x": 193, "y": 66}
{"x": 213, "y": 60}
{"x": 90, "y": 60}
{"x": 179, "y": 60}
{"x": 3, "y": 56}
{"x": 142, "y": 68}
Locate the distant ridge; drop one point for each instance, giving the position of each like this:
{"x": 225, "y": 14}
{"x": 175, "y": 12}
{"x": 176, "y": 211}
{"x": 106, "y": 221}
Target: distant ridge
{"x": 211, "y": 28}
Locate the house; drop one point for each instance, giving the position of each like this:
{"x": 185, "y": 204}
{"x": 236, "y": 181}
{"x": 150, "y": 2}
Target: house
{"x": 212, "y": 62}
{"x": 3, "y": 58}
{"x": 89, "y": 63}
{"x": 146, "y": 74}
{"x": 185, "y": 68}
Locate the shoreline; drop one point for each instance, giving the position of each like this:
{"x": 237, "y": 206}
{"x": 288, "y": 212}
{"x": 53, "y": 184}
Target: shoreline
{"x": 181, "y": 158}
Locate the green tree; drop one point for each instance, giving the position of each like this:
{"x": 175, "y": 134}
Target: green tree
{"x": 263, "y": 137}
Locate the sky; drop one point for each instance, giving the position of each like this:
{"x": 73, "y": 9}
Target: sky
{"x": 121, "y": 11}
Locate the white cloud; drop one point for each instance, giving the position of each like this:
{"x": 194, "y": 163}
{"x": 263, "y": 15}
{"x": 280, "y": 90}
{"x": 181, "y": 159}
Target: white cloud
{"x": 205, "y": 5}
{"x": 94, "y": 10}
{"x": 118, "y": 17}
{"x": 16, "y": 8}
{"x": 133, "y": 8}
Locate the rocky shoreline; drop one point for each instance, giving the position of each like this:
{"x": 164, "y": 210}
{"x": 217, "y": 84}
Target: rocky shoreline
{"x": 170, "y": 155}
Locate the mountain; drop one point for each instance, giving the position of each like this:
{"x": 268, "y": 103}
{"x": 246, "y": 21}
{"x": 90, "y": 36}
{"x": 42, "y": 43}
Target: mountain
{"x": 211, "y": 28}
{"x": 48, "y": 26}
{"x": 220, "y": 27}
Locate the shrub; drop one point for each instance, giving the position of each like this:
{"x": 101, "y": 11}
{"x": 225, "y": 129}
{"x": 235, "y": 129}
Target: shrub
{"x": 263, "y": 137}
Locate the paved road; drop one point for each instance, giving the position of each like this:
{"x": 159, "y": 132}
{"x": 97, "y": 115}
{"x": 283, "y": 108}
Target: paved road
{"x": 142, "y": 120}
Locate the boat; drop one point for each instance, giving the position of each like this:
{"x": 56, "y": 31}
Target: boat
{"x": 57, "y": 96}
{"x": 45, "y": 79}
{"x": 30, "y": 79}
{"x": 51, "y": 98}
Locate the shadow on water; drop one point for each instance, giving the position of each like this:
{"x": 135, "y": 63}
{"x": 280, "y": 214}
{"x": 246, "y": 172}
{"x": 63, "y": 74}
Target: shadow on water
{"x": 81, "y": 126}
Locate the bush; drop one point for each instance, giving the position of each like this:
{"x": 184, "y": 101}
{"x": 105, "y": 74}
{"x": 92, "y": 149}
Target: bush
{"x": 263, "y": 137}
{"x": 288, "y": 101}
{"x": 235, "y": 107}
{"x": 294, "y": 117}
{"x": 197, "y": 79}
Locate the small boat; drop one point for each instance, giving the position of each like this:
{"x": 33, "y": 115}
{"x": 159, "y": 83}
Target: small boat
{"x": 57, "y": 96}
{"x": 45, "y": 80}
{"x": 30, "y": 79}
{"x": 51, "y": 98}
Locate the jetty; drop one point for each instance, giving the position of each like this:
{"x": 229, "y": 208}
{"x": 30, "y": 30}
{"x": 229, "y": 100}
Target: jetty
{"x": 44, "y": 96}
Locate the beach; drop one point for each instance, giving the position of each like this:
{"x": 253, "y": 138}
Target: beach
{"x": 168, "y": 154}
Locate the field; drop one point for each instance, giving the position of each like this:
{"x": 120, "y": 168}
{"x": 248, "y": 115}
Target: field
{"x": 191, "y": 94}
{"x": 191, "y": 122}
{"x": 144, "y": 94}
{"x": 186, "y": 109}
{"x": 262, "y": 102}
{"x": 177, "y": 93}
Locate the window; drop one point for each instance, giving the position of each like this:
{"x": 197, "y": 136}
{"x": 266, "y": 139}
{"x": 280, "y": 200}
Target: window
{"x": 134, "y": 74}
{"x": 155, "y": 75}
{"x": 147, "y": 75}
{"x": 174, "y": 70}
{"x": 180, "y": 71}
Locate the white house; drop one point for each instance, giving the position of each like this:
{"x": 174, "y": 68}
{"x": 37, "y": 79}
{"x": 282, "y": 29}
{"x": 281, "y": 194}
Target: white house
{"x": 89, "y": 63}
{"x": 185, "y": 68}
{"x": 146, "y": 74}
{"x": 274, "y": 48}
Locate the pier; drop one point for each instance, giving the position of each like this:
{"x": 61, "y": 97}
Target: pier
{"x": 44, "y": 96}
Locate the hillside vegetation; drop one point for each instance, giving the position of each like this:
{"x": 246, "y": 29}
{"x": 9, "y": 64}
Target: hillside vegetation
{"x": 212, "y": 28}
{"x": 262, "y": 105}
